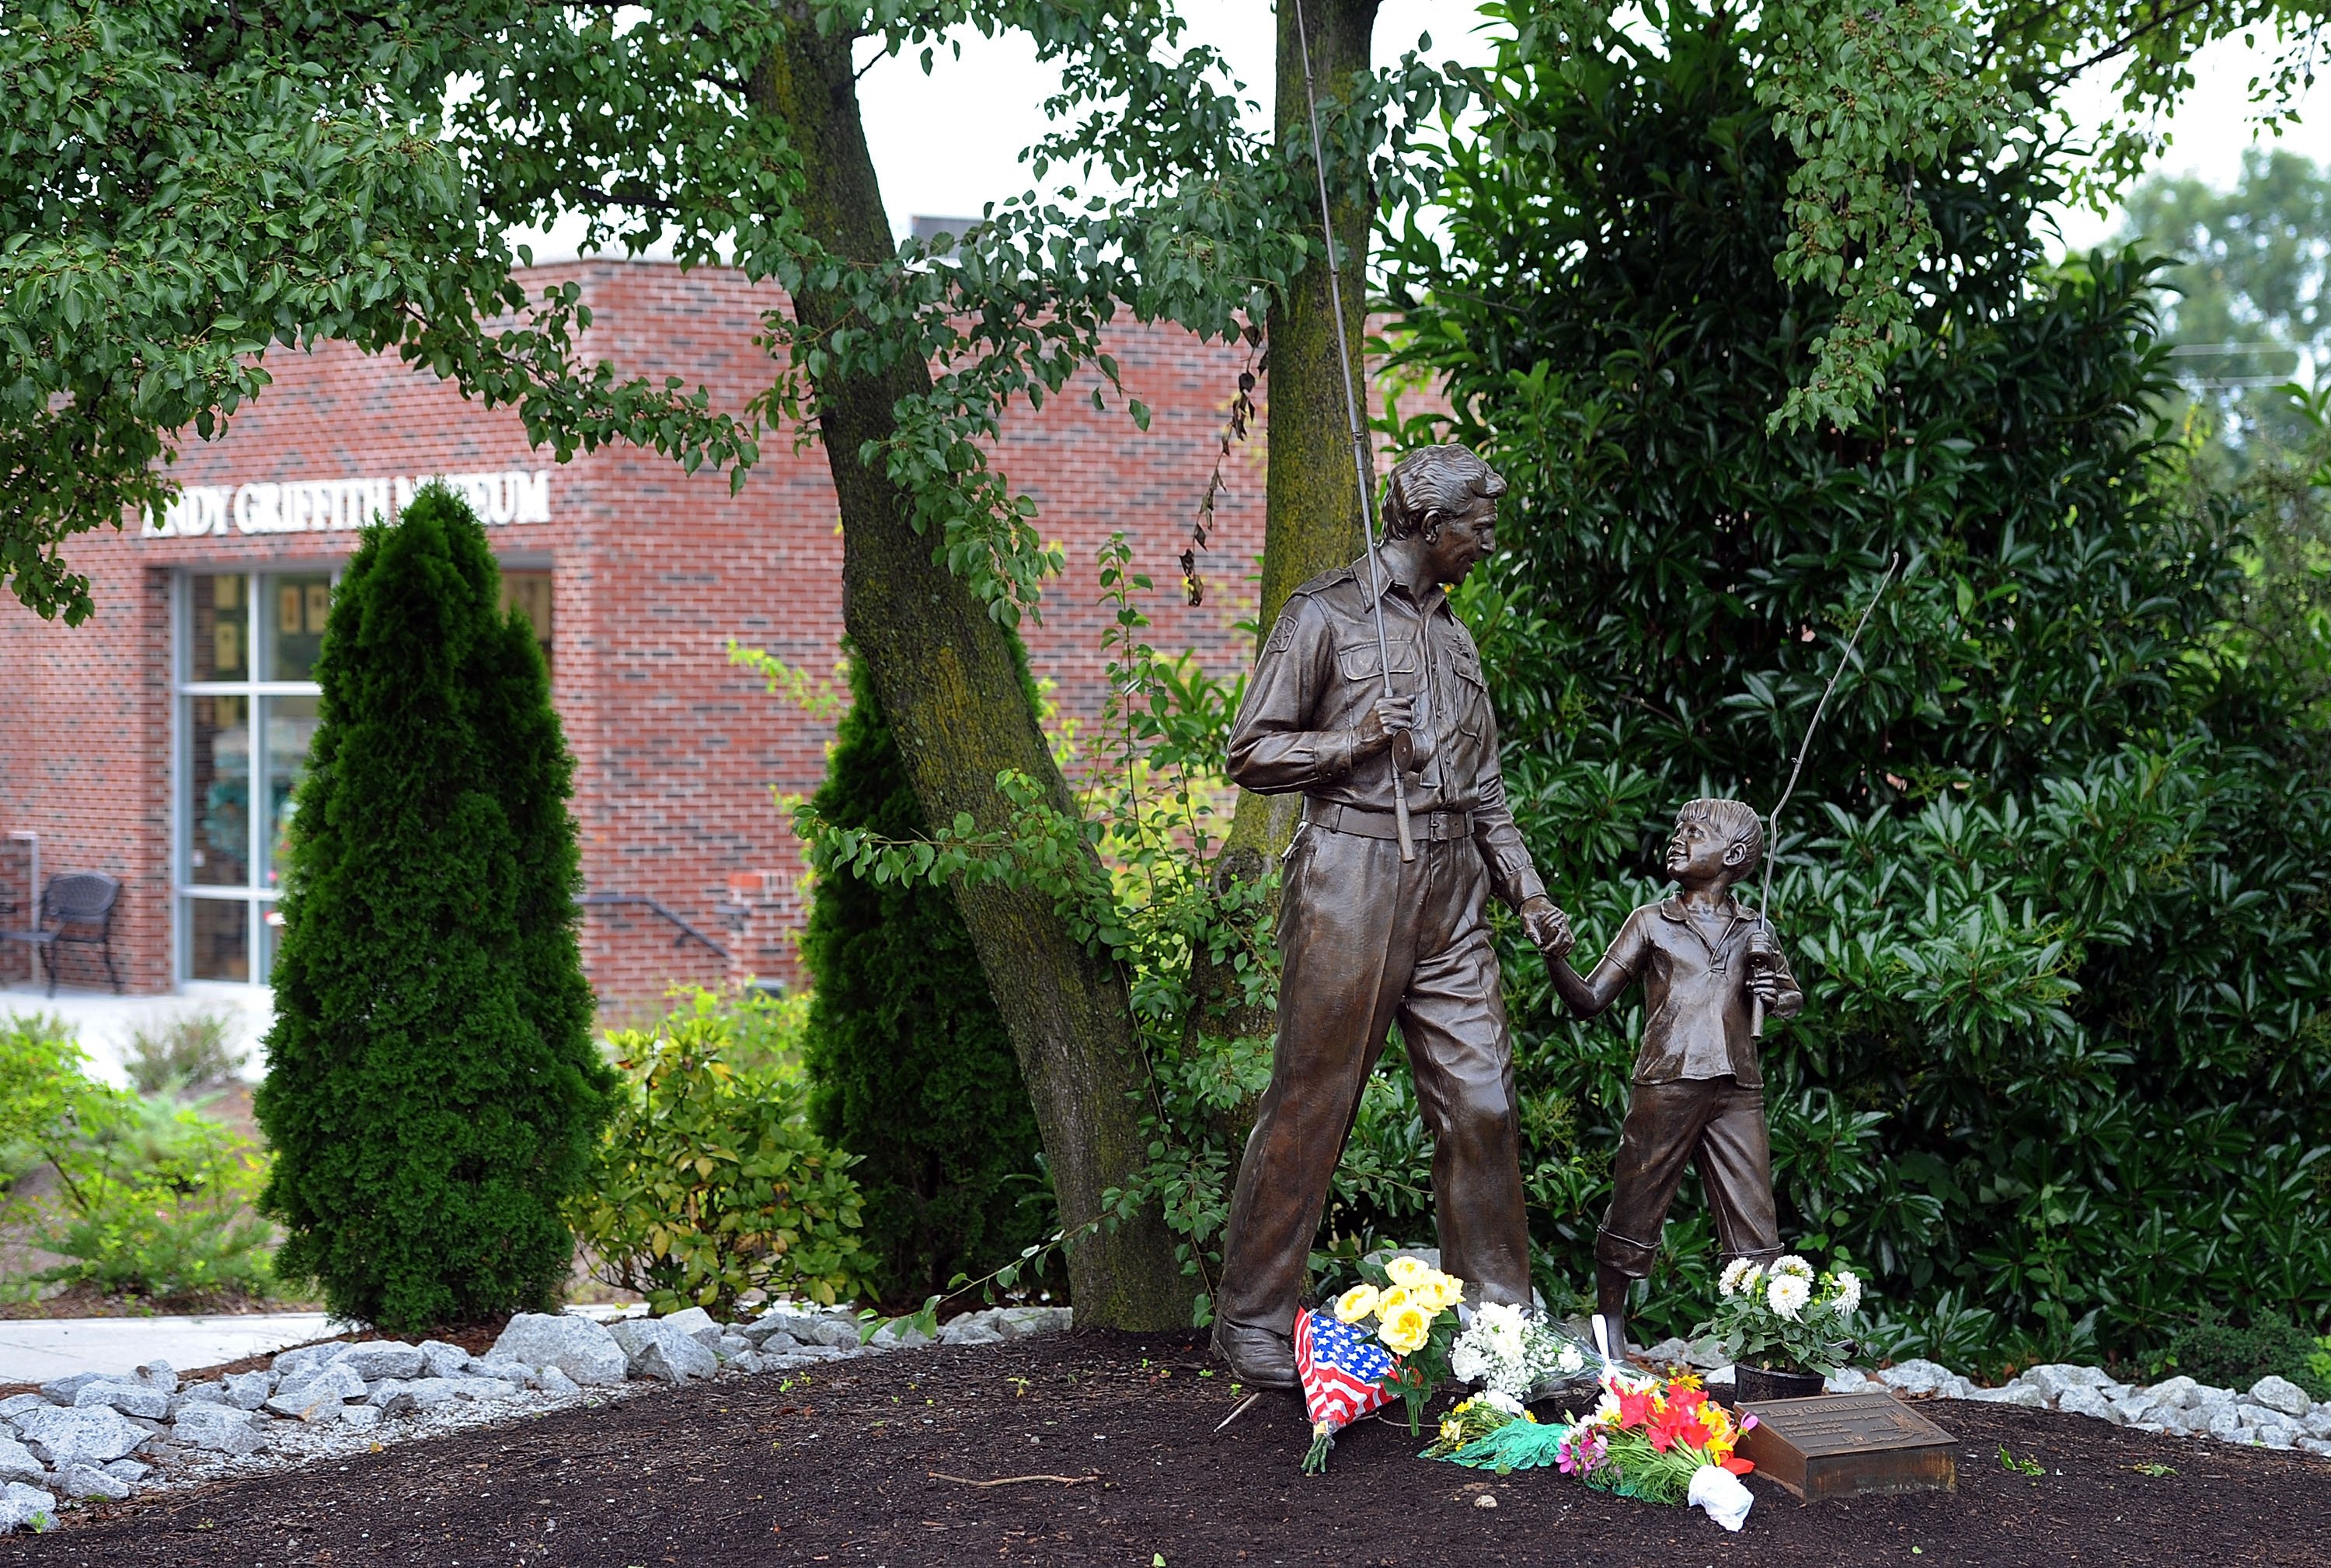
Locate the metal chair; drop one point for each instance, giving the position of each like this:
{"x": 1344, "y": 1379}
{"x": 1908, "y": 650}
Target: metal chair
{"x": 76, "y": 909}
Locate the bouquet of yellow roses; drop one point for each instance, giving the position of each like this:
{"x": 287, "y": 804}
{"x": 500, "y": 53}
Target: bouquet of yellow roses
{"x": 1414, "y": 1307}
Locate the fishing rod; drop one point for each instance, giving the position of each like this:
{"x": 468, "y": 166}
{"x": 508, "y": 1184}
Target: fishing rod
{"x": 1359, "y": 441}
{"x": 1773, "y": 828}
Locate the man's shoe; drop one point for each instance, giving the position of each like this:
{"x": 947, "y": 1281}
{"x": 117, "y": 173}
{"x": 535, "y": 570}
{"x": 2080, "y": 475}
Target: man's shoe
{"x": 1258, "y": 1357}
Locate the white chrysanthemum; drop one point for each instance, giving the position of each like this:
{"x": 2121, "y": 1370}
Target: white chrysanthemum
{"x": 1787, "y": 1295}
{"x": 1569, "y": 1362}
{"x": 1466, "y": 1362}
{"x": 1848, "y": 1291}
{"x": 1792, "y": 1264}
{"x": 1738, "y": 1275}
{"x": 1503, "y": 1402}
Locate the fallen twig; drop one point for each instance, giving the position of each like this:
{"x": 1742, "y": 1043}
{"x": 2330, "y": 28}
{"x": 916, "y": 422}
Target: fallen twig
{"x": 1240, "y": 1408}
{"x": 1013, "y": 1480}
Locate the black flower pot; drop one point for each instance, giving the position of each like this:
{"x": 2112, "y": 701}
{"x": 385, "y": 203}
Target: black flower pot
{"x": 1751, "y": 1383}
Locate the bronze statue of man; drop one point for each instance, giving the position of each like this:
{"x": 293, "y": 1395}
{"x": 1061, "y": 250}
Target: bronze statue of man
{"x": 1365, "y": 937}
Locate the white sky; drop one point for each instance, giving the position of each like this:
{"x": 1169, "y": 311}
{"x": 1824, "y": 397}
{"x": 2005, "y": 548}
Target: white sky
{"x": 947, "y": 143}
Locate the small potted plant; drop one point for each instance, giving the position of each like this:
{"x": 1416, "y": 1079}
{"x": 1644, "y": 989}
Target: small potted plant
{"x": 1785, "y": 1330}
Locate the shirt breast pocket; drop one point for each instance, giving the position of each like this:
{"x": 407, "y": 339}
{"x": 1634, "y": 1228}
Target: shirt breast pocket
{"x": 1359, "y": 661}
{"x": 1470, "y": 697}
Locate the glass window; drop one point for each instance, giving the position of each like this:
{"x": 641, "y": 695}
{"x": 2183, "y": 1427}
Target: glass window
{"x": 241, "y": 756}
{"x": 528, "y": 593}
{"x": 292, "y": 613}
{"x": 218, "y": 792}
{"x": 218, "y": 939}
{"x": 218, "y": 646}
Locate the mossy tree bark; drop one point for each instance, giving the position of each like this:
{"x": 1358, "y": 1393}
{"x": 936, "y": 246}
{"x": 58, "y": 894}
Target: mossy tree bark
{"x": 946, "y": 678}
{"x": 1311, "y": 496}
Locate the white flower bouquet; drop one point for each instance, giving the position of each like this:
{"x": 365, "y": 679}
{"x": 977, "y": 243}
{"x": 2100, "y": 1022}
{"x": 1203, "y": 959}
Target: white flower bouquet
{"x": 1509, "y": 1351}
{"x": 1785, "y": 1318}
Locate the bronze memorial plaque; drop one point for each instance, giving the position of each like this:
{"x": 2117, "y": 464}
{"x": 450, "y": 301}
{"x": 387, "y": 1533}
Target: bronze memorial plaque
{"x": 1847, "y": 1444}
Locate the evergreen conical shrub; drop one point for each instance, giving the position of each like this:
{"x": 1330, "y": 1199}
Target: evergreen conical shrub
{"x": 432, "y": 1091}
{"x": 911, "y": 1065}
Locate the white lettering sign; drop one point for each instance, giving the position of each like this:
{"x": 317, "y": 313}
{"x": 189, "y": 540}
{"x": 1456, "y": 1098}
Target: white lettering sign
{"x": 332, "y": 506}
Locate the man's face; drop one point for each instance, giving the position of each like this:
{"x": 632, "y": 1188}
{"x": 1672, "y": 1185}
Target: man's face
{"x": 1468, "y": 537}
{"x": 1697, "y": 853}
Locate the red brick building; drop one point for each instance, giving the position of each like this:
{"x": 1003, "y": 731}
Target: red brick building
{"x": 161, "y": 740}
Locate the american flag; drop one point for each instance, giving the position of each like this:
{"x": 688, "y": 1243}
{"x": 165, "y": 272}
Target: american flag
{"x": 1342, "y": 1368}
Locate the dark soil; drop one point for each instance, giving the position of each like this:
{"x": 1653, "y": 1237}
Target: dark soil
{"x": 1108, "y": 1447}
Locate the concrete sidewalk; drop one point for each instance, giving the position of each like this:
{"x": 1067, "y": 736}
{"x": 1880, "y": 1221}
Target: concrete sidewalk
{"x": 36, "y": 1349}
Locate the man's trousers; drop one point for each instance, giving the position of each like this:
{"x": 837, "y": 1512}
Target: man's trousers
{"x": 1365, "y": 939}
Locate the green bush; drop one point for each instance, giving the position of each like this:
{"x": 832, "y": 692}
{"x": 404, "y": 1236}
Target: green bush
{"x": 2054, "y": 877}
{"x": 2215, "y": 1351}
{"x": 913, "y": 1068}
{"x": 709, "y": 1184}
{"x": 432, "y": 1093}
{"x": 40, "y": 1077}
{"x": 188, "y": 1052}
{"x": 161, "y": 1204}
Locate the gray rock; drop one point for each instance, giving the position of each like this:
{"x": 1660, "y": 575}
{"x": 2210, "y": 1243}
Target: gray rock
{"x": 486, "y": 1388}
{"x": 17, "y": 1463}
{"x": 2282, "y": 1395}
{"x": 61, "y": 1390}
{"x": 776, "y": 1344}
{"x": 807, "y": 1356}
{"x": 973, "y": 1329}
{"x": 218, "y": 1429}
{"x": 2017, "y": 1392}
{"x": 2088, "y": 1401}
{"x": 2314, "y": 1446}
{"x": 806, "y": 1329}
{"x": 90, "y": 1435}
{"x": 89, "y": 1481}
{"x": 362, "y": 1417}
{"x": 503, "y": 1368}
{"x": 1915, "y": 1376}
{"x": 1722, "y": 1377}
{"x": 131, "y": 1399}
{"x": 584, "y": 1350}
{"x": 129, "y": 1470}
{"x": 900, "y": 1336}
{"x": 442, "y": 1359}
{"x": 404, "y": 1399}
{"x": 1666, "y": 1353}
{"x": 729, "y": 1346}
{"x": 1027, "y": 1322}
{"x": 306, "y": 1361}
{"x": 2226, "y": 1424}
{"x": 23, "y": 1507}
{"x": 248, "y": 1389}
{"x": 1848, "y": 1379}
{"x": 2281, "y": 1432}
{"x": 697, "y": 1324}
{"x": 381, "y": 1358}
{"x": 159, "y": 1375}
{"x": 1954, "y": 1387}
{"x": 653, "y": 1348}
{"x": 2054, "y": 1378}
{"x": 2174, "y": 1392}
{"x": 318, "y": 1398}
{"x": 558, "y": 1385}
{"x": 746, "y": 1361}
{"x": 2318, "y": 1421}
{"x": 16, "y": 1404}
{"x": 2203, "y": 1396}
{"x": 197, "y": 1394}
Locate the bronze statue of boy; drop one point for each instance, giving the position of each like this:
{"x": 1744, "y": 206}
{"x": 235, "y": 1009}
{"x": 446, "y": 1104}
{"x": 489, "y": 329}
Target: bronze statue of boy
{"x": 1711, "y": 973}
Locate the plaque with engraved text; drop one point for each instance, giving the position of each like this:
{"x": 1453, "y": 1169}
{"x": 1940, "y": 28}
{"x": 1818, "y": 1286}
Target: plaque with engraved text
{"x": 1849, "y": 1444}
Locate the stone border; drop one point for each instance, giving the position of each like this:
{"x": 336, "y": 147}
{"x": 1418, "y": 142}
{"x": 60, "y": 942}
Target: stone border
{"x": 107, "y": 1435}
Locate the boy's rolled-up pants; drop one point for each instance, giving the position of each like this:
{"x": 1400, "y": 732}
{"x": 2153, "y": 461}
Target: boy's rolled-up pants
{"x": 1718, "y": 1123}
{"x": 1365, "y": 939}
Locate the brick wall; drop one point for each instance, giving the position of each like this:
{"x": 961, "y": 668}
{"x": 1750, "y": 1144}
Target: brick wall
{"x": 653, "y": 572}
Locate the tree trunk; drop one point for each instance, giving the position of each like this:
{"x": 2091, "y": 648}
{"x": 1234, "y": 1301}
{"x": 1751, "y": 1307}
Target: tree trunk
{"x": 1311, "y": 499}
{"x": 951, "y": 684}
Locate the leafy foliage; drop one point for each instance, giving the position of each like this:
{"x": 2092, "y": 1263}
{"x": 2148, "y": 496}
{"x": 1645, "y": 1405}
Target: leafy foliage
{"x": 2057, "y": 885}
{"x": 188, "y": 1052}
{"x": 2214, "y": 1351}
{"x": 431, "y": 1096}
{"x": 709, "y": 1184}
{"x": 912, "y": 1069}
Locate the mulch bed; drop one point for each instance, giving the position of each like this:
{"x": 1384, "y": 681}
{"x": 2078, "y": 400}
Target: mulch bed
{"x": 873, "y": 1462}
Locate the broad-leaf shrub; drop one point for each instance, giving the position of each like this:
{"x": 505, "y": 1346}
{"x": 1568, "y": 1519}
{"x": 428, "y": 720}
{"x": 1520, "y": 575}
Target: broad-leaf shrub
{"x": 2057, "y": 873}
{"x": 709, "y": 1184}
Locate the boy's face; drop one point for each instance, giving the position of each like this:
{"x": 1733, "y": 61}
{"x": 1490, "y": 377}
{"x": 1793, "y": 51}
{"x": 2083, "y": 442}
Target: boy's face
{"x": 1700, "y": 854}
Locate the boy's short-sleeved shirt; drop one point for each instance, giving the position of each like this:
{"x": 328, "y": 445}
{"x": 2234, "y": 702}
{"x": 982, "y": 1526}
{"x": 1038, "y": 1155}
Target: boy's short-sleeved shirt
{"x": 1696, "y": 994}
